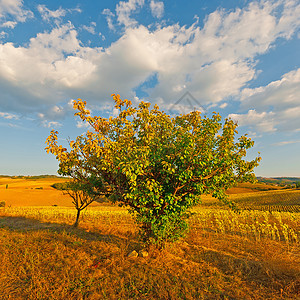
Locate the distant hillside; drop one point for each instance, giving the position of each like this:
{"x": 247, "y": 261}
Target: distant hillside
{"x": 280, "y": 180}
{"x": 31, "y": 177}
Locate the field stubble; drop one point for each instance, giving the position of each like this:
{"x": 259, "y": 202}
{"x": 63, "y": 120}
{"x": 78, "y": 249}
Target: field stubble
{"x": 251, "y": 255}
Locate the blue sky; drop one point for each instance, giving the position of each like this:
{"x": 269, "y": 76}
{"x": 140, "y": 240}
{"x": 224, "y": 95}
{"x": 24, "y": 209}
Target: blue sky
{"x": 239, "y": 58}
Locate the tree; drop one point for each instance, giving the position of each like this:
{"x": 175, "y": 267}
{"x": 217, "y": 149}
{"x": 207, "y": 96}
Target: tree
{"x": 80, "y": 198}
{"x": 156, "y": 165}
{"x": 80, "y": 187}
{"x": 79, "y": 194}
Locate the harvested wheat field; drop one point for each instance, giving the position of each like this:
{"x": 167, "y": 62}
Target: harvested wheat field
{"x": 251, "y": 255}
{"x": 32, "y": 192}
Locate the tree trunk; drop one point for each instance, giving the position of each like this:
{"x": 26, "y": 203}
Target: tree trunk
{"x": 77, "y": 218}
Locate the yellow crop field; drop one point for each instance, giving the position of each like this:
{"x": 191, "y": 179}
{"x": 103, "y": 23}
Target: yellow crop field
{"x": 278, "y": 200}
{"x": 29, "y": 192}
{"x": 282, "y": 200}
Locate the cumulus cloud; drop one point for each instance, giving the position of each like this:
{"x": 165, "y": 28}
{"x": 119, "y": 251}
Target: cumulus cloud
{"x": 219, "y": 59}
{"x": 283, "y": 96}
{"x": 123, "y": 12}
{"x": 125, "y": 9}
{"x": 13, "y": 9}
{"x": 157, "y": 8}
{"x": 9, "y": 24}
{"x": 41, "y": 73}
{"x": 281, "y": 93}
{"x": 264, "y": 122}
{"x": 48, "y": 14}
{"x": 213, "y": 62}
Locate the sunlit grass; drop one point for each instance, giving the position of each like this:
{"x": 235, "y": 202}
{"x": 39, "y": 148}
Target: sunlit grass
{"x": 250, "y": 255}
{"x": 225, "y": 256}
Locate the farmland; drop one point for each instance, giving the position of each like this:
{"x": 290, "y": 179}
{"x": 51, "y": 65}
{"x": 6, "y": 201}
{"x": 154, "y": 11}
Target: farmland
{"x": 253, "y": 254}
{"x": 276, "y": 200}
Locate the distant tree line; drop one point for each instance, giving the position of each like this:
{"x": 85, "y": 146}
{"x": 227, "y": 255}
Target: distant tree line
{"x": 289, "y": 182}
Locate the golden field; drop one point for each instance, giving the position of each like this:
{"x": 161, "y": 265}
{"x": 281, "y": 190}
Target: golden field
{"x": 251, "y": 255}
{"x": 32, "y": 192}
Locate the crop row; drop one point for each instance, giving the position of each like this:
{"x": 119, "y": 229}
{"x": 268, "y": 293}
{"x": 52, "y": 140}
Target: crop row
{"x": 280, "y": 226}
{"x": 272, "y": 208}
{"x": 271, "y": 198}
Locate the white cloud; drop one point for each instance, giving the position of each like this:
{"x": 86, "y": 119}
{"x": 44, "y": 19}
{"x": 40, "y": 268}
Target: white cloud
{"x": 109, "y": 18}
{"x": 125, "y": 9}
{"x": 81, "y": 124}
{"x": 40, "y": 73}
{"x": 264, "y": 122}
{"x": 282, "y": 95}
{"x": 213, "y": 63}
{"x": 70, "y": 104}
{"x": 223, "y": 105}
{"x": 50, "y": 124}
{"x": 91, "y": 28}
{"x": 9, "y": 24}
{"x": 219, "y": 59}
{"x": 50, "y": 118}
{"x": 13, "y": 9}
{"x": 247, "y": 32}
{"x": 48, "y": 14}
{"x": 9, "y": 116}
{"x": 3, "y": 34}
{"x": 55, "y": 112}
{"x": 283, "y": 143}
{"x": 157, "y": 8}
{"x": 59, "y": 13}
{"x": 102, "y": 36}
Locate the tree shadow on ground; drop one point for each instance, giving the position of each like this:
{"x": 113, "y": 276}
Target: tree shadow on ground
{"x": 25, "y": 224}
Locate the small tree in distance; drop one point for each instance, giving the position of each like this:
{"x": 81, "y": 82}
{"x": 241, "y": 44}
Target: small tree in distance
{"x": 155, "y": 165}
{"x": 80, "y": 198}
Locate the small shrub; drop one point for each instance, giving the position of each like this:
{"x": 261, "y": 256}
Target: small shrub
{"x": 62, "y": 186}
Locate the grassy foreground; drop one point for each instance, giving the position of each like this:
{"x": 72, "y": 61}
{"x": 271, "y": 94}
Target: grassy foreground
{"x": 253, "y": 255}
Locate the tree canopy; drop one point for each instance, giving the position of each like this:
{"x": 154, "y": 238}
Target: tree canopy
{"x": 156, "y": 165}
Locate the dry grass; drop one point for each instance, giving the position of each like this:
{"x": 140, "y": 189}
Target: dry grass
{"x": 44, "y": 257}
{"x": 252, "y": 255}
